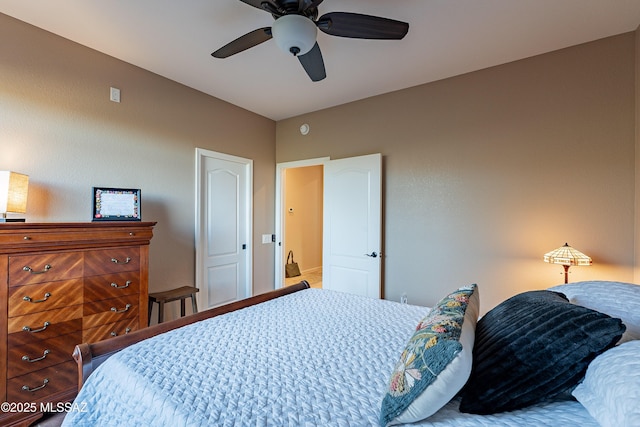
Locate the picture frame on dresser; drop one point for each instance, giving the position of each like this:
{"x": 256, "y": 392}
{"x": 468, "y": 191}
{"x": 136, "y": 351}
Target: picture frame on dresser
{"x": 116, "y": 204}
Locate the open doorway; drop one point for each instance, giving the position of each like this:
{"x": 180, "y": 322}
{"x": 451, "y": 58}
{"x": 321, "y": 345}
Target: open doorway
{"x": 302, "y": 218}
{"x": 299, "y": 214}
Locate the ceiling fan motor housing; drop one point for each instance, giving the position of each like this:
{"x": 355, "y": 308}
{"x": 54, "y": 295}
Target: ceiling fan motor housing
{"x": 294, "y": 34}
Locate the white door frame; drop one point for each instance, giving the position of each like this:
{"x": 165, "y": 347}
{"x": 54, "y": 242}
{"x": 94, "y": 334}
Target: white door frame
{"x": 199, "y": 226}
{"x": 280, "y": 183}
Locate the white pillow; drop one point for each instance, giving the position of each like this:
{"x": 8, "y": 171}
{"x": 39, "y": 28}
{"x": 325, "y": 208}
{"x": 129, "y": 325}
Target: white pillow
{"x": 610, "y": 390}
{"x": 617, "y": 299}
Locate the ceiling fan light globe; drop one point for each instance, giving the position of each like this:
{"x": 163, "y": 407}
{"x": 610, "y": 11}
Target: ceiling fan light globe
{"x": 294, "y": 34}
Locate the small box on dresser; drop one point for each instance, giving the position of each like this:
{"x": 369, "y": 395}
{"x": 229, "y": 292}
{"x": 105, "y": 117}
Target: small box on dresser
{"x": 64, "y": 284}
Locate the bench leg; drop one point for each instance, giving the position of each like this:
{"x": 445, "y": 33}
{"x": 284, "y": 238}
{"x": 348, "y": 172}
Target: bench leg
{"x": 194, "y": 305}
{"x": 182, "y": 308}
{"x": 160, "y": 311}
{"x": 149, "y": 315}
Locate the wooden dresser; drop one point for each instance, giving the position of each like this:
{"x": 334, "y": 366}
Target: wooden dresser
{"x": 64, "y": 284}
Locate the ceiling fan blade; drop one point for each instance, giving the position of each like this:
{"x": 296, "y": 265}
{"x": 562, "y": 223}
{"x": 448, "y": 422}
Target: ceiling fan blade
{"x": 245, "y": 42}
{"x": 254, "y": 3}
{"x": 271, "y": 6}
{"x": 313, "y": 63}
{"x": 358, "y": 26}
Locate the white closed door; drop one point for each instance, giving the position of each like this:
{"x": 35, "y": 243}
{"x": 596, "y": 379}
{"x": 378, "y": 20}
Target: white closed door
{"x": 352, "y": 225}
{"x": 223, "y": 266}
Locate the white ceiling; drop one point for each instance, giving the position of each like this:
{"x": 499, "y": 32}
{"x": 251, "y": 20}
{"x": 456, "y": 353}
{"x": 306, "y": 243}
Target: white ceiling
{"x": 174, "y": 38}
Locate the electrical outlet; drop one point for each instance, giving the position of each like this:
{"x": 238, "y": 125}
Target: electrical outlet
{"x": 403, "y": 298}
{"x": 266, "y": 238}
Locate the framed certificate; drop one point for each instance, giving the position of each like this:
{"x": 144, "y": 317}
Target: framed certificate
{"x": 116, "y": 204}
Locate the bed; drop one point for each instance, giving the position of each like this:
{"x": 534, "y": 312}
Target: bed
{"x": 310, "y": 357}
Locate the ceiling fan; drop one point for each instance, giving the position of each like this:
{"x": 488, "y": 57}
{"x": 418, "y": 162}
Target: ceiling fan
{"x": 295, "y": 30}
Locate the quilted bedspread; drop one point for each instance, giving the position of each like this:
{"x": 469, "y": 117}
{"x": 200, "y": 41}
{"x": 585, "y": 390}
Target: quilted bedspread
{"x": 312, "y": 358}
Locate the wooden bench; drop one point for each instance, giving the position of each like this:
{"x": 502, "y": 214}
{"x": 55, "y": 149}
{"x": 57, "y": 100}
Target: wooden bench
{"x": 181, "y": 294}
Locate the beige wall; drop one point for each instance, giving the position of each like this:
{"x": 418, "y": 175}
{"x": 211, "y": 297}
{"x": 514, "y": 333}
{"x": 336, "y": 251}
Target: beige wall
{"x": 303, "y": 215}
{"x": 59, "y": 127}
{"x": 487, "y": 171}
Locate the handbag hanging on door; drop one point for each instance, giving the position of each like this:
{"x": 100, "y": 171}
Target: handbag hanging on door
{"x": 291, "y": 269}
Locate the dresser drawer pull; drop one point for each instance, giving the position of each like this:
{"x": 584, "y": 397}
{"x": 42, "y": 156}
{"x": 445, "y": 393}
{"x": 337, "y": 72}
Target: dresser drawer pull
{"x": 126, "y": 285}
{"x": 29, "y": 299}
{"x": 30, "y": 360}
{"x": 115, "y": 334}
{"x": 126, "y": 308}
{"x": 28, "y": 329}
{"x": 44, "y": 384}
{"x": 32, "y": 271}
{"x": 117, "y": 261}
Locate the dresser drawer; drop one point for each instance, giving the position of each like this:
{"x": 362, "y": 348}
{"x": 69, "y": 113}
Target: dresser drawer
{"x": 111, "y": 310}
{"x": 53, "y": 330}
{"x": 110, "y": 330}
{"x": 44, "y": 322}
{"x": 29, "y": 269}
{"x": 114, "y": 260}
{"x": 38, "y": 385}
{"x": 97, "y": 288}
{"x": 44, "y": 296}
{"x": 38, "y": 237}
{"x": 41, "y": 354}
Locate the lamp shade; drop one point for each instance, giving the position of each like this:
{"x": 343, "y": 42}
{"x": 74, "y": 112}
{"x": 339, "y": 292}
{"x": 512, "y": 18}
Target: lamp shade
{"x": 13, "y": 192}
{"x": 566, "y": 255}
{"x": 294, "y": 34}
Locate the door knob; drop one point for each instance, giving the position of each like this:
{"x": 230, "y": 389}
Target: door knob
{"x": 372, "y": 255}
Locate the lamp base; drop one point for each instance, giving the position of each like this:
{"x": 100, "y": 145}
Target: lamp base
{"x": 11, "y": 220}
{"x": 566, "y": 273}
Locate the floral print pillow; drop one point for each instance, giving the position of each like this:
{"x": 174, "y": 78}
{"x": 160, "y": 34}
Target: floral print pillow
{"x": 433, "y": 348}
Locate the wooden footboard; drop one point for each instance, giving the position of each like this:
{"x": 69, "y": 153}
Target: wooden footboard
{"x": 90, "y": 356}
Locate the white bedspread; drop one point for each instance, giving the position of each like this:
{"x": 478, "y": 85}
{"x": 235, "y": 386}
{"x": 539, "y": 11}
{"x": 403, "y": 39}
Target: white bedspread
{"x": 313, "y": 358}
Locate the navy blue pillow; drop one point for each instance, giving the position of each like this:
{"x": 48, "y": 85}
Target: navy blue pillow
{"x": 533, "y": 347}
